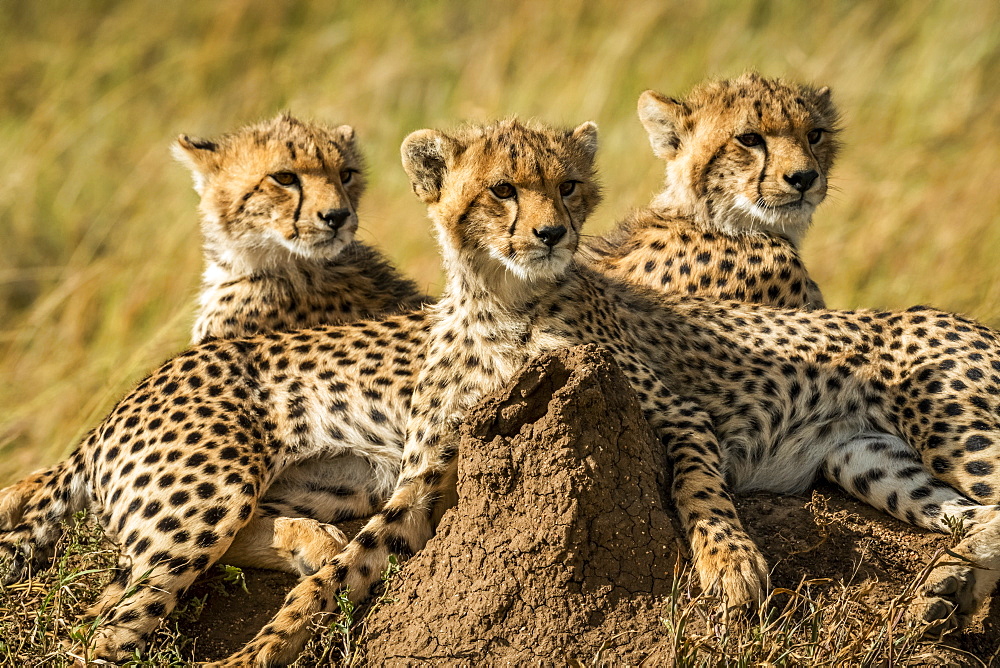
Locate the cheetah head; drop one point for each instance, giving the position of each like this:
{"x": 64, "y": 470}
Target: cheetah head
{"x": 744, "y": 155}
{"x": 277, "y": 189}
{"x": 508, "y": 198}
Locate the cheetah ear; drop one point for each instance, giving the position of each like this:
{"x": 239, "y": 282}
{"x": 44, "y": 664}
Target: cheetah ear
{"x": 200, "y": 155}
{"x": 661, "y": 116}
{"x": 345, "y": 132}
{"x": 585, "y": 136}
{"x": 425, "y": 158}
{"x": 823, "y": 100}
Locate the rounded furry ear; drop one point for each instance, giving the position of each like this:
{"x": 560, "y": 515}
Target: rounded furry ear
{"x": 661, "y": 116}
{"x": 824, "y": 102}
{"x": 821, "y": 101}
{"x": 345, "y": 132}
{"x": 585, "y": 136}
{"x": 425, "y": 158}
{"x": 200, "y": 155}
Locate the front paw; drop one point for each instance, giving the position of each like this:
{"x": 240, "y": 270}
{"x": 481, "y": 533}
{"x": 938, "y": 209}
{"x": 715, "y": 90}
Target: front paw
{"x": 734, "y": 570}
{"x": 311, "y": 544}
{"x": 17, "y": 561}
{"x": 268, "y": 649}
{"x": 948, "y": 601}
{"x": 957, "y": 587}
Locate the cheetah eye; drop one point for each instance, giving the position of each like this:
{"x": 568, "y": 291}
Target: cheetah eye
{"x": 503, "y": 191}
{"x": 750, "y": 139}
{"x": 285, "y": 178}
{"x": 567, "y": 188}
{"x": 814, "y": 136}
{"x": 347, "y": 176}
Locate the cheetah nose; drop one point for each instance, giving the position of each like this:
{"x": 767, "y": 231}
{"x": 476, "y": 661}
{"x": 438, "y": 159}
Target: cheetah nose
{"x": 803, "y": 180}
{"x": 551, "y": 234}
{"x": 334, "y": 218}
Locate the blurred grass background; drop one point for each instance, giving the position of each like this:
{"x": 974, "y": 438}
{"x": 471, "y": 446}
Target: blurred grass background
{"x": 100, "y": 246}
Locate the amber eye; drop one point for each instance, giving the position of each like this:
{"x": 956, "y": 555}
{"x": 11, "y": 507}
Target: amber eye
{"x": 750, "y": 139}
{"x": 567, "y": 188}
{"x": 347, "y": 176}
{"x": 285, "y": 178}
{"x": 503, "y": 191}
{"x": 814, "y": 136}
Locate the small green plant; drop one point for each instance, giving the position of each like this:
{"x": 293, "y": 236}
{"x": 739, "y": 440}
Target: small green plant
{"x": 344, "y": 622}
{"x": 342, "y": 639}
{"x": 956, "y": 527}
{"x": 227, "y": 578}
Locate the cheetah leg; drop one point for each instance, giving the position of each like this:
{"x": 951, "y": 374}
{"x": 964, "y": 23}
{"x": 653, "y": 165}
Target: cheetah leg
{"x": 112, "y": 594}
{"x": 165, "y": 548}
{"x": 961, "y": 582}
{"x": 298, "y": 545}
{"x": 728, "y": 562}
{"x": 15, "y": 497}
{"x": 130, "y": 609}
{"x": 403, "y": 526}
{"x": 18, "y": 552}
{"x": 32, "y": 512}
{"x": 885, "y": 472}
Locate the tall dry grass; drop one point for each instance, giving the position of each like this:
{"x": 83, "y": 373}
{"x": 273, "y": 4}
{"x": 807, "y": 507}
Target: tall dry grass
{"x": 100, "y": 246}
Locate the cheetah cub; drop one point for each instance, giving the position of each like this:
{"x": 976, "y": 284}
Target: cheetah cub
{"x": 236, "y": 451}
{"x": 241, "y": 449}
{"x": 900, "y": 408}
{"x": 279, "y": 212}
{"x": 747, "y": 162}
{"x": 504, "y": 247}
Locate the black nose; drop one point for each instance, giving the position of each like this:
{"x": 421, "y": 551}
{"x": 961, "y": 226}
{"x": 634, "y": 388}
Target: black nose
{"x": 551, "y": 234}
{"x": 334, "y": 218}
{"x": 802, "y": 181}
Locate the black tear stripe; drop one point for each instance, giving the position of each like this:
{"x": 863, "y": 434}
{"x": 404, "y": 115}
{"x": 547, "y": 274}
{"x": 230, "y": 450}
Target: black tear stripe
{"x": 569, "y": 216}
{"x": 517, "y": 213}
{"x": 298, "y": 210}
{"x": 763, "y": 173}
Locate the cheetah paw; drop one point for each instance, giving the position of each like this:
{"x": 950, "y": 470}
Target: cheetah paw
{"x": 740, "y": 578}
{"x": 260, "y": 652}
{"x": 948, "y": 603}
{"x": 104, "y": 647}
{"x": 309, "y": 544}
{"x": 17, "y": 562}
{"x": 957, "y": 588}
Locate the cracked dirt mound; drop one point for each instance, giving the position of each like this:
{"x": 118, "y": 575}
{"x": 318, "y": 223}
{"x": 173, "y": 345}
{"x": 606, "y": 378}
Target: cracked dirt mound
{"x": 559, "y": 547}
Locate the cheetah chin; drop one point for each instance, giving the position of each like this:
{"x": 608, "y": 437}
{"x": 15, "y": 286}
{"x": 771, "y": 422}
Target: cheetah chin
{"x": 791, "y": 219}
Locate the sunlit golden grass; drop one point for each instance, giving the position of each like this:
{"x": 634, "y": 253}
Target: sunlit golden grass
{"x": 100, "y": 244}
